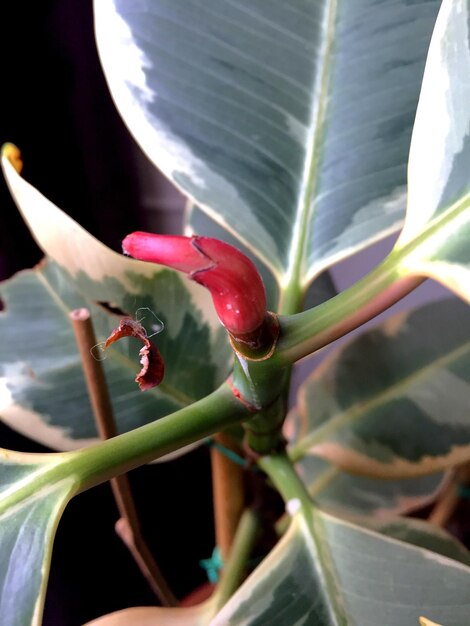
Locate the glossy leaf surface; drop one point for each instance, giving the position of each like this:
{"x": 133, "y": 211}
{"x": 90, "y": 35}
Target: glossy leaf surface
{"x": 394, "y": 402}
{"x": 30, "y": 510}
{"x": 438, "y": 210}
{"x": 327, "y": 572}
{"x": 288, "y": 123}
{"x": 42, "y": 391}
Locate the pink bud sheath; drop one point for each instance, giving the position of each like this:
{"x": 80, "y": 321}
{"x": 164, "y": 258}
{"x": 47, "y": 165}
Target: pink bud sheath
{"x": 234, "y": 282}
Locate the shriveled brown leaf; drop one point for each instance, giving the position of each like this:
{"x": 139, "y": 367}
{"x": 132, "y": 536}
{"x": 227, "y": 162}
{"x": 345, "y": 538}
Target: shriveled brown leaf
{"x": 151, "y": 360}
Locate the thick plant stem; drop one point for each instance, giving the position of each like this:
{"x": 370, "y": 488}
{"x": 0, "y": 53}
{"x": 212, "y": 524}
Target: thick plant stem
{"x": 264, "y": 430}
{"x": 102, "y": 461}
{"x": 264, "y": 387}
{"x": 291, "y": 299}
{"x": 228, "y": 494}
{"x": 235, "y": 566}
{"x": 128, "y": 527}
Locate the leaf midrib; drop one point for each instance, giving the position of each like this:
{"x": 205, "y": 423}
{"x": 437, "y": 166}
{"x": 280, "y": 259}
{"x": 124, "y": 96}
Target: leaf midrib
{"x": 309, "y": 178}
{"x": 314, "y": 532}
{"x": 292, "y": 276}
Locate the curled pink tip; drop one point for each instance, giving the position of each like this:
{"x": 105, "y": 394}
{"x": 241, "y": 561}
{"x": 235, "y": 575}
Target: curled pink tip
{"x": 234, "y": 282}
{"x": 171, "y": 250}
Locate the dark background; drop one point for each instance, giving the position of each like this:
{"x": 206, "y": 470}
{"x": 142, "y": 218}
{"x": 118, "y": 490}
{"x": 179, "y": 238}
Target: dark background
{"x": 56, "y": 108}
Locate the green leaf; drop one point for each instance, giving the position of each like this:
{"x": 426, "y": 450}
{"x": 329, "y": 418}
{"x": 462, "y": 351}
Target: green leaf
{"x": 394, "y": 402}
{"x": 328, "y": 572}
{"x": 424, "y": 535}
{"x": 437, "y": 228}
{"x": 35, "y": 488}
{"x": 42, "y": 390}
{"x": 288, "y": 124}
{"x": 352, "y": 496}
{"x": 30, "y": 509}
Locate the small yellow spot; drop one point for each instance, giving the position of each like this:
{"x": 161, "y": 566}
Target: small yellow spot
{"x": 423, "y": 621}
{"x": 12, "y": 153}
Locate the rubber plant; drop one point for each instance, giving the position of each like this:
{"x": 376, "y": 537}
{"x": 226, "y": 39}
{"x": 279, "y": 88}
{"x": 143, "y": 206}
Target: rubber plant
{"x": 288, "y": 127}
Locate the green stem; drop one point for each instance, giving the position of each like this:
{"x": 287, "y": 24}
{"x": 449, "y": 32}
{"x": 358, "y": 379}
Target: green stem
{"x": 393, "y": 279}
{"x": 303, "y": 333}
{"x": 282, "y": 473}
{"x": 280, "y": 470}
{"x": 102, "y": 461}
{"x": 264, "y": 430}
{"x": 234, "y": 569}
{"x": 291, "y": 298}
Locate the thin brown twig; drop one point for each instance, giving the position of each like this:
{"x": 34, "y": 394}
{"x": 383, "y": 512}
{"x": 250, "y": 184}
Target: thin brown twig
{"x": 449, "y": 499}
{"x": 128, "y": 527}
{"x": 228, "y": 494}
{"x": 445, "y": 506}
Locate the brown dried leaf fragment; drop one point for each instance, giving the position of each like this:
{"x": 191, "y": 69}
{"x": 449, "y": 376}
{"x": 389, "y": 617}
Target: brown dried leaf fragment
{"x": 151, "y": 360}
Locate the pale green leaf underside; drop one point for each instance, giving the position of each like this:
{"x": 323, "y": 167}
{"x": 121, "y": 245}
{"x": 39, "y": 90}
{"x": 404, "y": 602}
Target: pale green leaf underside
{"x": 424, "y": 535}
{"x": 349, "y": 495}
{"x": 42, "y": 390}
{"x": 410, "y": 375}
{"x": 288, "y": 122}
{"x": 439, "y": 178}
{"x": 373, "y": 580}
{"x": 27, "y": 529}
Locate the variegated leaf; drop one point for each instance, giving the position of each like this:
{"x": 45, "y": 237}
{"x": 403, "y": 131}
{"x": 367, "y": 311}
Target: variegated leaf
{"x": 42, "y": 391}
{"x": 394, "y": 402}
{"x": 422, "y": 534}
{"x": 434, "y": 241}
{"x": 328, "y": 572}
{"x": 288, "y": 123}
{"x": 352, "y": 496}
{"x": 30, "y": 509}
